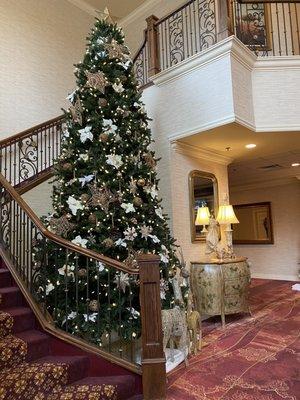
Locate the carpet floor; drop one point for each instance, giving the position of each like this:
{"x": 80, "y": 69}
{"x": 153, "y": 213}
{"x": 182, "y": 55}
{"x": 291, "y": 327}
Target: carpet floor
{"x": 254, "y": 358}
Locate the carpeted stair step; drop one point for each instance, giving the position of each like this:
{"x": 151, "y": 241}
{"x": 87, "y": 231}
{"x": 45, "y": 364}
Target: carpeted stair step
{"x": 5, "y": 278}
{"x": 10, "y": 297}
{"x": 23, "y": 318}
{"x": 32, "y": 381}
{"x": 6, "y": 324}
{"x": 12, "y": 352}
{"x": 124, "y": 385}
{"x": 38, "y": 344}
{"x": 78, "y": 366}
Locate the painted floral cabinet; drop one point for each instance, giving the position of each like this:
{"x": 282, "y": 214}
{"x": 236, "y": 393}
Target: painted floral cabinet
{"x": 221, "y": 288}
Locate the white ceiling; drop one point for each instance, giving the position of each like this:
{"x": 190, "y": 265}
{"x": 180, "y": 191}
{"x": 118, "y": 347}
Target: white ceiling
{"x": 273, "y": 148}
{"x": 117, "y": 8}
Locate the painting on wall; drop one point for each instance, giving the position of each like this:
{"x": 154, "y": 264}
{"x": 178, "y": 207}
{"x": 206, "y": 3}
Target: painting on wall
{"x": 252, "y": 25}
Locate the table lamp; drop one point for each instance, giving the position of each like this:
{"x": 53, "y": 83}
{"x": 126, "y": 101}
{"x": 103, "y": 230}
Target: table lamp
{"x": 202, "y": 218}
{"x": 226, "y": 216}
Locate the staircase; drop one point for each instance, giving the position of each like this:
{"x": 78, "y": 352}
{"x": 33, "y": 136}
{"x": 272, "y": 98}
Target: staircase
{"x": 34, "y": 366}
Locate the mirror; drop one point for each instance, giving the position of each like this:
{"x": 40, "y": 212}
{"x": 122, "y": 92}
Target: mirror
{"x": 203, "y": 187}
{"x": 255, "y": 225}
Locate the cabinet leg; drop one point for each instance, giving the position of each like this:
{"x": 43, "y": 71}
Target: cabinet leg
{"x": 223, "y": 320}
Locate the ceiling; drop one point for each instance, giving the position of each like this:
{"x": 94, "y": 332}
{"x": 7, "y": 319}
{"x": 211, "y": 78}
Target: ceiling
{"x": 117, "y": 8}
{"x": 270, "y": 159}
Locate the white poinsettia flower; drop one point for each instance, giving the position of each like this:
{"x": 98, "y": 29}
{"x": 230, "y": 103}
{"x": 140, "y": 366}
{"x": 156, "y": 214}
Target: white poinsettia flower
{"x": 71, "y": 96}
{"x": 100, "y": 266}
{"x": 86, "y": 134}
{"x": 79, "y": 241}
{"x": 135, "y": 314}
{"x": 159, "y": 212}
{"x": 65, "y": 130}
{"x": 121, "y": 243}
{"x": 83, "y": 157}
{"x": 154, "y": 238}
{"x": 146, "y": 231}
{"x": 110, "y": 127}
{"x": 152, "y": 190}
{"x": 86, "y": 179}
{"x": 66, "y": 270}
{"x": 101, "y": 40}
{"x": 118, "y": 87}
{"x": 114, "y": 160}
{"x": 49, "y": 288}
{"x": 122, "y": 281}
{"x": 72, "y": 315}
{"x": 74, "y": 205}
{"x": 128, "y": 207}
{"x": 90, "y": 317}
{"x": 130, "y": 234}
{"x": 164, "y": 255}
{"x": 125, "y": 64}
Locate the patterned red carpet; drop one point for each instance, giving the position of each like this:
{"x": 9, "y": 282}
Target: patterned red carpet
{"x": 255, "y": 358}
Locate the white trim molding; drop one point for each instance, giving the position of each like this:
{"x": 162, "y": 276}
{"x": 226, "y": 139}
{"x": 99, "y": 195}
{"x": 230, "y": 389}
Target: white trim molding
{"x": 276, "y": 277}
{"x": 84, "y": 6}
{"x": 200, "y": 153}
{"x": 139, "y": 12}
{"x": 288, "y": 180}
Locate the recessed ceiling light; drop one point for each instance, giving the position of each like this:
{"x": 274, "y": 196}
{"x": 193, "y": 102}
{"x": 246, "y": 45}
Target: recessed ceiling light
{"x": 250, "y": 146}
{"x": 296, "y": 164}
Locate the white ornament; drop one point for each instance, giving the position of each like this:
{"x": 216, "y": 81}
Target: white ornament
{"x": 90, "y": 317}
{"x": 122, "y": 281}
{"x": 100, "y": 266}
{"x": 49, "y": 288}
{"x": 86, "y": 179}
{"x": 110, "y": 127}
{"x": 86, "y": 134}
{"x": 146, "y": 231}
{"x": 114, "y": 160}
{"x": 66, "y": 270}
{"x": 154, "y": 238}
{"x": 74, "y": 205}
{"x": 121, "y": 243}
{"x": 128, "y": 207}
{"x": 118, "y": 87}
{"x": 135, "y": 314}
{"x": 65, "y": 131}
{"x": 164, "y": 255}
{"x": 126, "y": 64}
{"x": 152, "y": 190}
{"x": 71, "y": 96}
{"x": 130, "y": 234}
{"x": 159, "y": 212}
{"x": 80, "y": 242}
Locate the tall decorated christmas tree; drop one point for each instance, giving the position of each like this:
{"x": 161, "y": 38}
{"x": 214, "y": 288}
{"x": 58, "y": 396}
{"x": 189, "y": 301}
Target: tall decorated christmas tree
{"x": 106, "y": 192}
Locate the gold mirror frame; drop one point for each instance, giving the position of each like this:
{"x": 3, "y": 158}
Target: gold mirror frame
{"x": 194, "y": 237}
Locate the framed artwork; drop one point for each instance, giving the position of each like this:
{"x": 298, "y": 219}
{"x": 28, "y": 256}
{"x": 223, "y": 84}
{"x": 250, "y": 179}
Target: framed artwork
{"x": 252, "y": 25}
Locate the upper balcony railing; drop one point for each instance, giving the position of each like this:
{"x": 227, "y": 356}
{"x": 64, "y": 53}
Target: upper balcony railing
{"x": 268, "y": 29}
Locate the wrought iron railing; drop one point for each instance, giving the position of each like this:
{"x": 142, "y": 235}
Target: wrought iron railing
{"x": 88, "y": 299}
{"x": 28, "y": 155}
{"x": 268, "y": 29}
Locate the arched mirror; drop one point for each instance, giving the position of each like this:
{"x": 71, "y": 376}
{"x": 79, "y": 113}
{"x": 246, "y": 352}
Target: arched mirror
{"x": 203, "y": 188}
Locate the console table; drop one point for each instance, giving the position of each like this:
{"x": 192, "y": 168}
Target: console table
{"x": 221, "y": 287}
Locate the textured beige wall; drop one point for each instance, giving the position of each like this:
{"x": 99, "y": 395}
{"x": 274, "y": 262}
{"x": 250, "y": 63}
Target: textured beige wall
{"x": 281, "y": 260}
{"x": 40, "y": 40}
{"x": 39, "y": 198}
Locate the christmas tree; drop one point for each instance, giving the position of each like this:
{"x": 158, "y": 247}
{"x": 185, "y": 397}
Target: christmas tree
{"x": 105, "y": 195}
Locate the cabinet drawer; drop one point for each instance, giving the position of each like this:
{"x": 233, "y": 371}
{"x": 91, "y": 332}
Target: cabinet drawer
{"x": 237, "y": 287}
{"x": 235, "y": 271}
{"x": 235, "y": 304}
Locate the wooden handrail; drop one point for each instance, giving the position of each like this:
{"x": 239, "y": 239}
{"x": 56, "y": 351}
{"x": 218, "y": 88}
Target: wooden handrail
{"x": 137, "y": 53}
{"x": 28, "y": 132}
{"x": 59, "y": 240}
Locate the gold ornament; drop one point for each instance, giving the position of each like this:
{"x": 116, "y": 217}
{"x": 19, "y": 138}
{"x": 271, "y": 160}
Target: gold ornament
{"x": 82, "y": 272}
{"x": 67, "y": 166}
{"x": 116, "y": 50}
{"x": 96, "y": 80}
{"x": 108, "y": 243}
{"x": 149, "y": 160}
{"x": 105, "y": 16}
{"x": 92, "y": 218}
{"x": 94, "y": 305}
{"x": 137, "y": 201}
{"x": 84, "y": 197}
{"x": 102, "y": 197}
{"x": 102, "y": 102}
{"x": 61, "y": 226}
{"x": 76, "y": 111}
{"x": 103, "y": 137}
{"x": 141, "y": 182}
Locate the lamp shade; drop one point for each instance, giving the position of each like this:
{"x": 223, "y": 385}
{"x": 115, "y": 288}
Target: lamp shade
{"x": 226, "y": 215}
{"x": 202, "y": 216}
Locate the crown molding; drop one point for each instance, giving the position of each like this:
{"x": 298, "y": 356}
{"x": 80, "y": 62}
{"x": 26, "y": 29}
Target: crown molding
{"x": 274, "y": 63}
{"x": 200, "y": 153}
{"x": 263, "y": 184}
{"x": 84, "y": 6}
{"x": 139, "y": 12}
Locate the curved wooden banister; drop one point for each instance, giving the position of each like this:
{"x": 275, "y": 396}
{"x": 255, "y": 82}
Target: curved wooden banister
{"x": 28, "y": 132}
{"x": 137, "y": 53}
{"x": 59, "y": 240}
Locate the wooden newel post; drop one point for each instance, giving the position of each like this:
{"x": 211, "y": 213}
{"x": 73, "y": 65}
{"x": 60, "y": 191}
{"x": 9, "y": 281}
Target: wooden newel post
{"x": 153, "y": 358}
{"x": 224, "y": 28}
{"x": 153, "y": 46}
